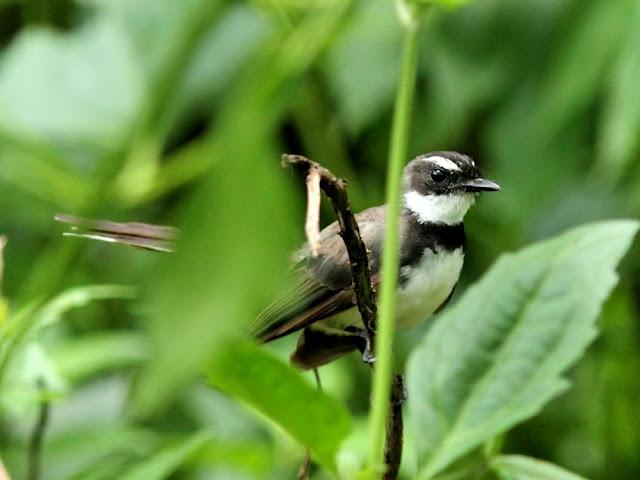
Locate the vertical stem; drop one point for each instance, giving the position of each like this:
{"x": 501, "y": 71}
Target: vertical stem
{"x": 395, "y": 433}
{"x": 37, "y": 437}
{"x": 386, "y": 319}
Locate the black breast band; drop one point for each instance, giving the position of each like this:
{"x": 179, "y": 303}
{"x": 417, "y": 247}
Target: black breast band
{"x": 435, "y": 236}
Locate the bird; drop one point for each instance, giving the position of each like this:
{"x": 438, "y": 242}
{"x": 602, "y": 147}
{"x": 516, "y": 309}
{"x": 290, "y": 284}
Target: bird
{"x": 438, "y": 190}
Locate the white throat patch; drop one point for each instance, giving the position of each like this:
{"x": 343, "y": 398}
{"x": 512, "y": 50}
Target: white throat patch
{"x": 447, "y": 209}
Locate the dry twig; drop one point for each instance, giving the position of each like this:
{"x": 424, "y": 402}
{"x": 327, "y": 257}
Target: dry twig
{"x": 312, "y": 224}
{"x": 3, "y": 472}
{"x": 394, "y": 439}
{"x": 335, "y": 189}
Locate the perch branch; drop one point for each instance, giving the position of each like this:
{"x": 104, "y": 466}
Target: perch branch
{"x": 336, "y": 190}
{"x": 394, "y": 436}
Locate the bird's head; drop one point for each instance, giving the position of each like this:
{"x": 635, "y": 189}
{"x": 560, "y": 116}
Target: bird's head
{"x": 439, "y": 187}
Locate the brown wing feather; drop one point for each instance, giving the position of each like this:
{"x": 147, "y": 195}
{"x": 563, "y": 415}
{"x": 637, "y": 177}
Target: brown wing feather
{"x": 339, "y": 302}
{"x": 322, "y": 284}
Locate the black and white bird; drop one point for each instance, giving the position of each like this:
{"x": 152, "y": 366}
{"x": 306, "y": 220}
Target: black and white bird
{"x": 438, "y": 190}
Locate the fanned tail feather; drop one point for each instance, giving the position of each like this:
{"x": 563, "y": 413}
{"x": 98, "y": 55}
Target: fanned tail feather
{"x": 159, "y": 238}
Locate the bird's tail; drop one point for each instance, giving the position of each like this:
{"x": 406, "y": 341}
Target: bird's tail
{"x": 160, "y": 238}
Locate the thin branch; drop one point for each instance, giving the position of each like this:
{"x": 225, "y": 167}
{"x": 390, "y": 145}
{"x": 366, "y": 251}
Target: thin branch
{"x": 395, "y": 425}
{"x": 316, "y": 374}
{"x": 37, "y": 437}
{"x": 335, "y": 189}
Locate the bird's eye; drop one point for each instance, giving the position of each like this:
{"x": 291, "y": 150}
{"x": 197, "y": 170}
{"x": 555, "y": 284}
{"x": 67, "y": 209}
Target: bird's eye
{"x": 438, "y": 175}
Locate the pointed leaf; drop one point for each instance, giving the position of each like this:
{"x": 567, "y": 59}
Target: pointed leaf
{"x": 33, "y": 317}
{"x": 579, "y": 64}
{"x": 166, "y": 461}
{"x": 49, "y": 80}
{"x": 518, "y": 467}
{"x": 619, "y": 140}
{"x": 81, "y": 358}
{"x": 263, "y": 382}
{"x": 363, "y": 83}
{"x": 498, "y": 355}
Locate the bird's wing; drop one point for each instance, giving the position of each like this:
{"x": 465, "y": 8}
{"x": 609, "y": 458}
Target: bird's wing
{"x": 142, "y": 235}
{"x": 321, "y": 285}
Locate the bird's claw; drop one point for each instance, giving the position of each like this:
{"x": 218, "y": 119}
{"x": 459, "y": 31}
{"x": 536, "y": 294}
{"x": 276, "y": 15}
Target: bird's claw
{"x": 366, "y": 347}
{"x": 368, "y": 357}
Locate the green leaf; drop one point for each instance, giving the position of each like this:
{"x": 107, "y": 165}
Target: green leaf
{"x": 619, "y": 130}
{"x": 580, "y": 64}
{"x": 212, "y": 270}
{"x": 52, "y": 311}
{"x": 42, "y": 61}
{"x": 154, "y": 28}
{"x": 497, "y": 357}
{"x": 31, "y": 319}
{"x": 443, "y": 3}
{"x": 235, "y": 38}
{"x": 519, "y": 467}
{"x": 263, "y": 382}
{"x": 31, "y": 377}
{"x": 364, "y": 83}
{"x": 449, "y": 3}
{"x": 82, "y": 358}
{"x": 167, "y": 460}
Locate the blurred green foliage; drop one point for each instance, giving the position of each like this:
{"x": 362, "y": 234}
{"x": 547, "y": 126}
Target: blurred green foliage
{"x": 176, "y": 112}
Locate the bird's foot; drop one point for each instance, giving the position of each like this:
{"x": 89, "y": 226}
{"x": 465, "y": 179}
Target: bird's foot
{"x": 367, "y": 356}
{"x": 367, "y": 344}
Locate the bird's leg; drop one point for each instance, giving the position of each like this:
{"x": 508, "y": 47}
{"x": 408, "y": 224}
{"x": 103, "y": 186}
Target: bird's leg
{"x": 316, "y": 374}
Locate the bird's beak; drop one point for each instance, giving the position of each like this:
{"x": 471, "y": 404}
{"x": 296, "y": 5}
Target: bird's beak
{"x": 481, "y": 185}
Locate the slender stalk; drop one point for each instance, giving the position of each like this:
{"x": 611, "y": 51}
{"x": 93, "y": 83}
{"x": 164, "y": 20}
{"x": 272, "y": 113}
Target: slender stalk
{"x": 37, "y": 437}
{"x": 387, "y": 304}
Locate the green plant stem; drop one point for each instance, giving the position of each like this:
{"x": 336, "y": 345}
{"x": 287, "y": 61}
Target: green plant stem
{"x": 387, "y": 303}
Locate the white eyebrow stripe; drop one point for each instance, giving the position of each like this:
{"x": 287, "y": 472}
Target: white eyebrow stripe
{"x": 443, "y": 162}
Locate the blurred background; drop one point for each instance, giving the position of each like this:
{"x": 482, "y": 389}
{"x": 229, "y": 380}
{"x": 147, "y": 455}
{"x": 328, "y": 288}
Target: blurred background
{"x": 177, "y": 113}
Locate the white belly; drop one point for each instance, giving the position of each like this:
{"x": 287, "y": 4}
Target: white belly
{"x": 427, "y": 286}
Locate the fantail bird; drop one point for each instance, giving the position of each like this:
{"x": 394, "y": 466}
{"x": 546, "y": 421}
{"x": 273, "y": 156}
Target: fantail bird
{"x": 438, "y": 190}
